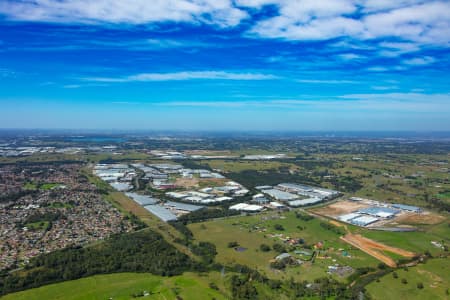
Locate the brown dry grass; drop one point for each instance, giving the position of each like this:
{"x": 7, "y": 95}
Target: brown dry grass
{"x": 426, "y": 218}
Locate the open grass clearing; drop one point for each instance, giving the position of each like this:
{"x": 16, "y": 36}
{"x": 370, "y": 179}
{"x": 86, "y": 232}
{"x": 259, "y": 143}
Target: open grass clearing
{"x": 124, "y": 285}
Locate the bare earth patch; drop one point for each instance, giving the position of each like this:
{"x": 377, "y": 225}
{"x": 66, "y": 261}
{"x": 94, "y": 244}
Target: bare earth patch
{"x": 426, "y": 218}
{"x": 339, "y": 208}
{"x": 375, "y": 248}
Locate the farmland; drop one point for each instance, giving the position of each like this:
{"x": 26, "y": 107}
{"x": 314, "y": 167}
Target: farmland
{"x": 252, "y": 231}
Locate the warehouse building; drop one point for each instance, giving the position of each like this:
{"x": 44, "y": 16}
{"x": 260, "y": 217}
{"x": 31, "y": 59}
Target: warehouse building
{"x": 381, "y": 212}
{"x": 142, "y": 199}
{"x": 163, "y": 213}
{"x": 247, "y": 207}
{"x": 363, "y": 220}
{"x": 407, "y": 207}
{"x": 280, "y": 195}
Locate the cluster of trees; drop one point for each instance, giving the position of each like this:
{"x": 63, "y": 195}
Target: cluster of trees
{"x": 142, "y": 251}
{"x": 206, "y": 250}
{"x": 346, "y": 184}
{"x": 206, "y": 214}
{"x": 332, "y": 228}
{"x": 436, "y": 203}
{"x": 251, "y": 178}
{"x": 303, "y": 216}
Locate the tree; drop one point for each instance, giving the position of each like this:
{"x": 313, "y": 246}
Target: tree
{"x": 279, "y": 227}
{"x": 264, "y": 248}
{"x": 233, "y": 244}
{"x": 420, "y": 285}
{"x": 404, "y": 281}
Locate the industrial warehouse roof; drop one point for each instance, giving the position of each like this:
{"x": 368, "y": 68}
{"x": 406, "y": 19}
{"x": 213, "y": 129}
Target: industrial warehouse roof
{"x": 183, "y": 206}
{"x": 280, "y": 195}
{"x": 407, "y": 207}
{"x": 348, "y": 217}
{"x": 304, "y": 202}
{"x": 383, "y": 212}
{"x": 142, "y": 199}
{"x": 363, "y": 220}
{"x": 161, "y": 212}
{"x": 246, "y": 207}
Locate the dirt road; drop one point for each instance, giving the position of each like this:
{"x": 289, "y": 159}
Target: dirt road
{"x": 375, "y": 248}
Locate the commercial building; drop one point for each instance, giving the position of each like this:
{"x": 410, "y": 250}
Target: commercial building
{"x": 304, "y": 202}
{"x": 247, "y": 207}
{"x": 381, "y": 212}
{"x": 363, "y": 220}
{"x": 280, "y": 195}
{"x": 163, "y": 213}
{"x": 407, "y": 207}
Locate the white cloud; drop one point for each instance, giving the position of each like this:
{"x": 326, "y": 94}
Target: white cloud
{"x": 392, "y": 102}
{"x": 218, "y": 12}
{"x": 327, "y": 81}
{"x": 350, "y": 56}
{"x": 419, "y": 61}
{"x": 218, "y": 75}
{"x": 415, "y": 22}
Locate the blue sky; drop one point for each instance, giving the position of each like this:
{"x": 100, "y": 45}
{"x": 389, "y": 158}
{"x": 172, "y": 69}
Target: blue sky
{"x": 225, "y": 65}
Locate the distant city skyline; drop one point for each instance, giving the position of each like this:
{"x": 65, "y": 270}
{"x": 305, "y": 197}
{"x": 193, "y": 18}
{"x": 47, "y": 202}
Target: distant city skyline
{"x": 218, "y": 65}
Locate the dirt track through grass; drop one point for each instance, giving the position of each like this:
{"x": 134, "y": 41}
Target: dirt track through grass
{"x": 375, "y": 248}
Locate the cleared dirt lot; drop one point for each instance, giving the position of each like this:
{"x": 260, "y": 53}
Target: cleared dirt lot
{"x": 425, "y": 218}
{"x": 339, "y": 208}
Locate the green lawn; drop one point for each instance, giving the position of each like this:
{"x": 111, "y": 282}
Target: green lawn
{"x": 124, "y": 285}
{"x": 434, "y": 275}
{"x": 48, "y": 186}
{"x": 42, "y": 225}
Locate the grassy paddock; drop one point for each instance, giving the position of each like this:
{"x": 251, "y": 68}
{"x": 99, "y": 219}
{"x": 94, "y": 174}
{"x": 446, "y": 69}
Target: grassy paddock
{"x": 434, "y": 275}
{"x": 124, "y": 285}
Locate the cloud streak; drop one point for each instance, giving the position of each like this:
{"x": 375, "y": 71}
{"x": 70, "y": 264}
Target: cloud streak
{"x": 187, "y": 75}
{"x": 399, "y": 102}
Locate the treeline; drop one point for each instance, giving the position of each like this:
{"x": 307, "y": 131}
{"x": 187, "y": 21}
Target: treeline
{"x": 436, "y": 203}
{"x": 206, "y": 214}
{"x": 346, "y": 184}
{"x": 142, "y": 251}
{"x": 205, "y": 250}
{"x": 303, "y": 216}
{"x": 332, "y": 228}
{"x": 252, "y": 178}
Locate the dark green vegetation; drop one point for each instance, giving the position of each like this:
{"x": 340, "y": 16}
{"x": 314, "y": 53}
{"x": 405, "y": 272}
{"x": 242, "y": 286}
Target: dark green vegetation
{"x": 142, "y": 251}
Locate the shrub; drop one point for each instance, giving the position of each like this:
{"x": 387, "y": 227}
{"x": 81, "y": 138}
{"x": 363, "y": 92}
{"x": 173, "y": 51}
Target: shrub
{"x": 264, "y": 248}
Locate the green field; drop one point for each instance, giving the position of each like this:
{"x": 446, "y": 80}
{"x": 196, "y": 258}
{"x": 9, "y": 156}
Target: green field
{"x": 418, "y": 241}
{"x": 125, "y": 285}
{"x": 434, "y": 275}
{"x": 252, "y": 231}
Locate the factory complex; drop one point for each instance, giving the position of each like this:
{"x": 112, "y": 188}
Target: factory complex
{"x": 295, "y": 195}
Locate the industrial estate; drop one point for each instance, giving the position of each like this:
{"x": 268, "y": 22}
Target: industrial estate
{"x": 294, "y": 223}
